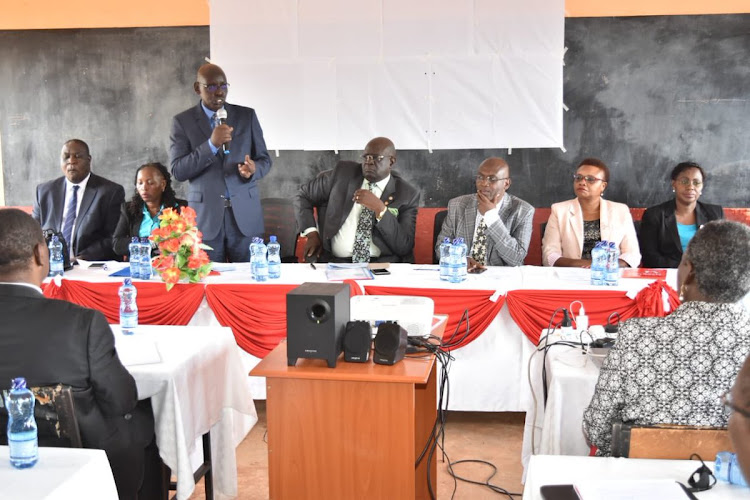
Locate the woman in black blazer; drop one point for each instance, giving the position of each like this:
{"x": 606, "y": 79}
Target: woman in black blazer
{"x": 666, "y": 229}
{"x": 153, "y": 193}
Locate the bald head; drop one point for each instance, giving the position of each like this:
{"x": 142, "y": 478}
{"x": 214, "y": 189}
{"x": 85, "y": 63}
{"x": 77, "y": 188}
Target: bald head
{"x": 379, "y": 156}
{"x": 493, "y": 178}
{"x": 23, "y": 255}
{"x": 211, "y": 85}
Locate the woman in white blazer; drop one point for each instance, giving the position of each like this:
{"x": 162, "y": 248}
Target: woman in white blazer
{"x": 575, "y": 226}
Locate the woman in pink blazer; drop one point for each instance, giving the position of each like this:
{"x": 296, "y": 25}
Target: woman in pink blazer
{"x": 575, "y": 226}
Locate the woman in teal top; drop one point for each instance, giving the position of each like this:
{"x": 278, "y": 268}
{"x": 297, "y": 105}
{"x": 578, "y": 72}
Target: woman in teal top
{"x": 140, "y": 215}
{"x": 666, "y": 229}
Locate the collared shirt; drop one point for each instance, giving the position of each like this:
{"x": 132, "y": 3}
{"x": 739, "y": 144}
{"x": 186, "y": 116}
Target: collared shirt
{"x": 210, "y": 114}
{"x": 21, "y": 283}
{"x": 490, "y": 217}
{"x": 68, "y": 193}
{"x": 149, "y": 223}
{"x": 342, "y": 243}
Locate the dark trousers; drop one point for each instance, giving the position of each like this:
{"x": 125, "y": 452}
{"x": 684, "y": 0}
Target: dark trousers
{"x": 230, "y": 245}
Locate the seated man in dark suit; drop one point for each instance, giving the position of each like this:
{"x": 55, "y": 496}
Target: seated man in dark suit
{"x": 366, "y": 212}
{"x": 53, "y": 341}
{"x": 83, "y": 206}
{"x": 495, "y": 225}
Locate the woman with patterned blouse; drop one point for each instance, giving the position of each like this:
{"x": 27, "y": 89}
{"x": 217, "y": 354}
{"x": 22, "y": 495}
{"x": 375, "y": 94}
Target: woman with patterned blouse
{"x": 575, "y": 226}
{"x": 674, "y": 370}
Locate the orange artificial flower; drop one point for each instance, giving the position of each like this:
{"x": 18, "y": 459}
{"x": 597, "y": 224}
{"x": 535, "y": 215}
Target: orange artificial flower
{"x": 171, "y": 245}
{"x": 171, "y": 275}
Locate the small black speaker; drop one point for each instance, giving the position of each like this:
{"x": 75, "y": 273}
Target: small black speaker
{"x": 357, "y": 342}
{"x": 316, "y": 316}
{"x": 390, "y": 343}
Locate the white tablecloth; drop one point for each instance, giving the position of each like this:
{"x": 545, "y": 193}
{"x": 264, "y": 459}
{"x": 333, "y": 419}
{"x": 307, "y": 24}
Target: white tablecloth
{"x": 60, "y": 474}
{"x": 548, "y": 469}
{"x": 199, "y": 385}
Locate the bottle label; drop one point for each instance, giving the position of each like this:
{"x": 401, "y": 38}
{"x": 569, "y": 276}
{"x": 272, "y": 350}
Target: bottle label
{"x": 22, "y": 445}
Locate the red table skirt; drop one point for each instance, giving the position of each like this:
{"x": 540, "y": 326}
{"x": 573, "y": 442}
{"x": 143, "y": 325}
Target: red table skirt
{"x": 257, "y": 312}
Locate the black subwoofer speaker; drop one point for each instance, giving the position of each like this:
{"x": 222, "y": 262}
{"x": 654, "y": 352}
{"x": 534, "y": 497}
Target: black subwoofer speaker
{"x": 390, "y": 343}
{"x": 316, "y": 316}
{"x": 357, "y": 342}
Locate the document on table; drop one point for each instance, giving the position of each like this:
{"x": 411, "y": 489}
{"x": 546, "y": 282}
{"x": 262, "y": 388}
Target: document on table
{"x": 136, "y": 349}
{"x": 341, "y": 272}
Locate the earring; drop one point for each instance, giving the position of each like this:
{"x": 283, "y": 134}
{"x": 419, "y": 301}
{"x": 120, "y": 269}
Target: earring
{"x": 682, "y": 292}
{"x": 673, "y": 190}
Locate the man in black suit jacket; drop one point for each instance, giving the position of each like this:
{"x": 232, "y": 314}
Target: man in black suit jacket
{"x": 223, "y": 185}
{"x": 97, "y": 210}
{"x": 340, "y": 195}
{"x": 53, "y": 341}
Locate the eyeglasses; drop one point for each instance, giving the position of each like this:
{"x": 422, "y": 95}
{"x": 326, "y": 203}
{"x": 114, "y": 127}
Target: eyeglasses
{"x": 367, "y": 158}
{"x": 213, "y": 87}
{"x": 728, "y": 402}
{"x": 590, "y": 179}
{"x": 491, "y": 179}
{"x": 686, "y": 182}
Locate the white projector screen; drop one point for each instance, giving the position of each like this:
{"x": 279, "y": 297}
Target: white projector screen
{"x": 429, "y": 74}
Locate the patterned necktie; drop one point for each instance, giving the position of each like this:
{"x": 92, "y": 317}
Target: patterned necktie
{"x": 70, "y": 218}
{"x": 363, "y": 235}
{"x": 479, "y": 248}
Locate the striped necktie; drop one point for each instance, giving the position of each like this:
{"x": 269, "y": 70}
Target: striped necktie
{"x": 70, "y": 218}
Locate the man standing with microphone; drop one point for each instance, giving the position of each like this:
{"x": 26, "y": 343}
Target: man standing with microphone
{"x": 219, "y": 148}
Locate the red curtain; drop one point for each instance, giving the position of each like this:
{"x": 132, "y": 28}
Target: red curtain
{"x": 156, "y": 306}
{"x": 256, "y": 313}
{"x": 453, "y": 303}
{"x": 532, "y": 309}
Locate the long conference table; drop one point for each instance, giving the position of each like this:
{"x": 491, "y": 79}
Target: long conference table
{"x": 508, "y": 310}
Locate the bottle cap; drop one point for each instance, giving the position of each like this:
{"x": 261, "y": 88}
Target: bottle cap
{"x": 19, "y": 383}
{"x": 134, "y": 239}
{"x": 272, "y": 238}
{"x": 127, "y": 281}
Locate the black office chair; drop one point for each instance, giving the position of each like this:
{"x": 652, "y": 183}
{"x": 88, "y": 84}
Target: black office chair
{"x": 54, "y": 411}
{"x": 278, "y": 217}
{"x": 436, "y": 227}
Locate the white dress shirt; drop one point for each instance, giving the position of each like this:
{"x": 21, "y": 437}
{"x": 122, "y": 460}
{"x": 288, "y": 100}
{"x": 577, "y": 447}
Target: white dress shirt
{"x": 68, "y": 193}
{"x": 342, "y": 243}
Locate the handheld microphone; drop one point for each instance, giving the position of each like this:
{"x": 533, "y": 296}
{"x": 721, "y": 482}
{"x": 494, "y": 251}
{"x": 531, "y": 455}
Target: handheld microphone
{"x": 222, "y": 117}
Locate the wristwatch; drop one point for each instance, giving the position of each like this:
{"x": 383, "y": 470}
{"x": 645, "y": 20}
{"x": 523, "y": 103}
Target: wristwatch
{"x": 381, "y": 214}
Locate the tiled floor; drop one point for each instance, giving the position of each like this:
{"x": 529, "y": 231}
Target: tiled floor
{"x": 493, "y": 437}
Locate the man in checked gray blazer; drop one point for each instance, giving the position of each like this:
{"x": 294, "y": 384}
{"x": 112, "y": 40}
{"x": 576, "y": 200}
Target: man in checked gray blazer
{"x": 495, "y": 225}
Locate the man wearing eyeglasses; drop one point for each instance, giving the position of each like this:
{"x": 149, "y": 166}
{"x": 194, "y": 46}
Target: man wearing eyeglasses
{"x": 495, "y": 225}
{"x": 366, "y": 211}
{"x": 223, "y": 160}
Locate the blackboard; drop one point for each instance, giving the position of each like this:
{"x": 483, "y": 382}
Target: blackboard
{"x": 643, "y": 93}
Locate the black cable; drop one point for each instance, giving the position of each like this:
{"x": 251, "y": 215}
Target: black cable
{"x": 550, "y": 329}
{"x": 495, "y": 488}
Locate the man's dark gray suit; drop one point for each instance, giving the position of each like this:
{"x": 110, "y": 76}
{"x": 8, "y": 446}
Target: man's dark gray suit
{"x": 96, "y": 220}
{"x": 51, "y": 341}
{"x": 331, "y": 192}
{"x": 211, "y": 175}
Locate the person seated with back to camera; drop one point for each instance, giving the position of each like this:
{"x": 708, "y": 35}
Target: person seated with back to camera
{"x": 140, "y": 215}
{"x": 576, "y": 226}
{"x": 675, "y": 369}
{"x": 667, "y": 228}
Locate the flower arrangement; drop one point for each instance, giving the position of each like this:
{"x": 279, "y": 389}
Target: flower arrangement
{"x": 183, "y": 254}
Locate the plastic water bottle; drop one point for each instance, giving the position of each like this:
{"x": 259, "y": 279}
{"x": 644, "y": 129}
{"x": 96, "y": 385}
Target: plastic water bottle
{"x": 612, "y": 275}
{"x": 728, "y": 470}
{"x": 445, "y": 255}
{"x": 598, "y": 263}
{"x": 128, "y": 307}
{"x": 145, "y": 261}
{"x": 134, "y": 256}
{"x": 254, "y": 258}
{"x": 261, "y": 262}
{"x": 56, "y": 266}
{"x": 23, "y": 442}
{"x": 455, "y": 262}
{"x": 464, "y": 262}
{"x": 274, "y": 258}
